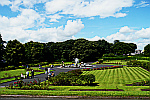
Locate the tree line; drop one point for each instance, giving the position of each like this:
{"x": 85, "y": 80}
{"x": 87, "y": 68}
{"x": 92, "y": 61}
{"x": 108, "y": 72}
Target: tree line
{"x": 17, "y": 53}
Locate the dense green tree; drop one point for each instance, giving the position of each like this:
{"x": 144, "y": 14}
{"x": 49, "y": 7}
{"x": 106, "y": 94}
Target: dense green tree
{"x": 68, "y": 50}
{"x": 35, "y": 52}
{"x": 147, "y": 50}
{"x": 15, "y": 53}
{"x": 89, "y": 50}
{"x": 121, "y": 48}
{"x": 2, "y": 50}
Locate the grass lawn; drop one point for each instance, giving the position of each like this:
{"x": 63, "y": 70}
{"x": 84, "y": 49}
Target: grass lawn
{"x": 143, "y": 60}
{"x": 17, "y": 72}
{"x": 119, "y": 76}
{"x": 107, "y": 79}
{"x": 64, "y": 91}
{"x": 12, "y": 73}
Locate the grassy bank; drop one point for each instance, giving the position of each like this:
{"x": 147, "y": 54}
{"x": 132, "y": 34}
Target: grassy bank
{"x": 64, "y": 91}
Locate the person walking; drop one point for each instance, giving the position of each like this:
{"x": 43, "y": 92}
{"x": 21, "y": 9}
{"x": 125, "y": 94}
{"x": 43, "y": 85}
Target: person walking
{"x": 49, "y": 70}
{"x": 32, "y": 73}
{"x": 27, "y": 73}
{"x": 46, "y": 70}
{"x": 22, "y": 77}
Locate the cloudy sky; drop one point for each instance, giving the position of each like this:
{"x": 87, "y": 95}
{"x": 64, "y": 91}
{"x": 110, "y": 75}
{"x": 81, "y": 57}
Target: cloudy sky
{"x": 60, "y": 20}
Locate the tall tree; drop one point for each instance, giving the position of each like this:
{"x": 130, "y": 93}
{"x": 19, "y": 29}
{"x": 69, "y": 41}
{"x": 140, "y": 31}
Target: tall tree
{"x": 15, "y": 53}
{"x": 2, "y": 50}
{"x": 147, "y": 50}
{"x": 121, "y": 48}
{"x": 35, "y": 52}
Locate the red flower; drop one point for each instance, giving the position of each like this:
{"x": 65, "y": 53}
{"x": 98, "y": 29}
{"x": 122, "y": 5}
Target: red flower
{"x": 16, "y": 85}
{"x": 30, "y": 82}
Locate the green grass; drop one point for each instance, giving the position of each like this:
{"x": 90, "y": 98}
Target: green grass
{"x": 107, "y": 79}
{"x": 119, "y": 76}
{"x": 64, "y": 91}
{"x": 143, "y": 60}
{"x": 17, "y": 72}
{"x": 11, "y": 73}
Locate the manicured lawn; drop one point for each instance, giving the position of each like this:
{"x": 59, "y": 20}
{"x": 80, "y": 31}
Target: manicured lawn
{"x": 143, "y": 60}
{"x": 107, "y": 79}
{"x": 64, "y": 91}
{"x": 12, "y": 73}
{"x": 119, "y": 76}
{"x": 17, "y": 72}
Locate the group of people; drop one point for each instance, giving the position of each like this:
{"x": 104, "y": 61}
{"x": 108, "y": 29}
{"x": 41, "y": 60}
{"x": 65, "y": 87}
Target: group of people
{"x": 49, "y": 73}
{"x": 27, "y": 75}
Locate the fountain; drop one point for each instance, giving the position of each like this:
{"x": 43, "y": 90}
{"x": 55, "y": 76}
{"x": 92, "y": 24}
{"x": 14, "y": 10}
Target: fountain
{"x": 76, "y": 65}
{"x": 76, "y": 62}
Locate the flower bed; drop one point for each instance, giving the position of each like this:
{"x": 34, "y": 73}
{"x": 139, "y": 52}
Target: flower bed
{"x": 32, "y": 85}
{"x": 102, "y": 68}
{"x": 145, "y": 89}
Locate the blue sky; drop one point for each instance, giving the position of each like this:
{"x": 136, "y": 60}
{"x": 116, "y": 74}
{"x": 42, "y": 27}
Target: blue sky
{"x": 60, "y": 20}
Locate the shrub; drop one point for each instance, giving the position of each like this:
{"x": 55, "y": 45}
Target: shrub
{"x": 71, "y": 78}
{"x": 90, "y": 78}
{"x": 134, "y": 63}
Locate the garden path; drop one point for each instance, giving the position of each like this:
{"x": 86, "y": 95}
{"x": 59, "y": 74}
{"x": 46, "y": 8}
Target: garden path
{"x": 43, "y": 76}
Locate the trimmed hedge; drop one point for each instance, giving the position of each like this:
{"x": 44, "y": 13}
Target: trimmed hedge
{"x": 135, "y": 63}
{"x": 126, "y": 57}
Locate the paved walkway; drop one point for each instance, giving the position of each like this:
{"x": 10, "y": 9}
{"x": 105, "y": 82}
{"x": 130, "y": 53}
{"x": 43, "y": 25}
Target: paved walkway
{"x": 56, "y": 69}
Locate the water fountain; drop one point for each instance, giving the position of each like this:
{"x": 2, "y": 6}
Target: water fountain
{"x": 76, "y": 62}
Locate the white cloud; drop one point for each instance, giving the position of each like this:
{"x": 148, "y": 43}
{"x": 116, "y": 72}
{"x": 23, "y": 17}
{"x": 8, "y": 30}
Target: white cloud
{"x": 139, "y": 37}
{"x": 117, "y": 15}
{"x": 73, "y": 27}
{"x": 82, "y": 8}
{"x": 25, "y": 20}
{"x": 15, "y": 27}
{"x": 54, "y": 20}
{"x": 57, "y": 34}
{"x": 5, "y": 2}
{"x": 54, "y": 17}
{"x": 126, "y": 29}
{"x": 91, "y": 18}
{"x": 16, "y": 4}
{"x": 96, "y": 38}
{"x": 143, "y": 33}
{"x": 142, "y": 4}
{"x": 60, "y": 33}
